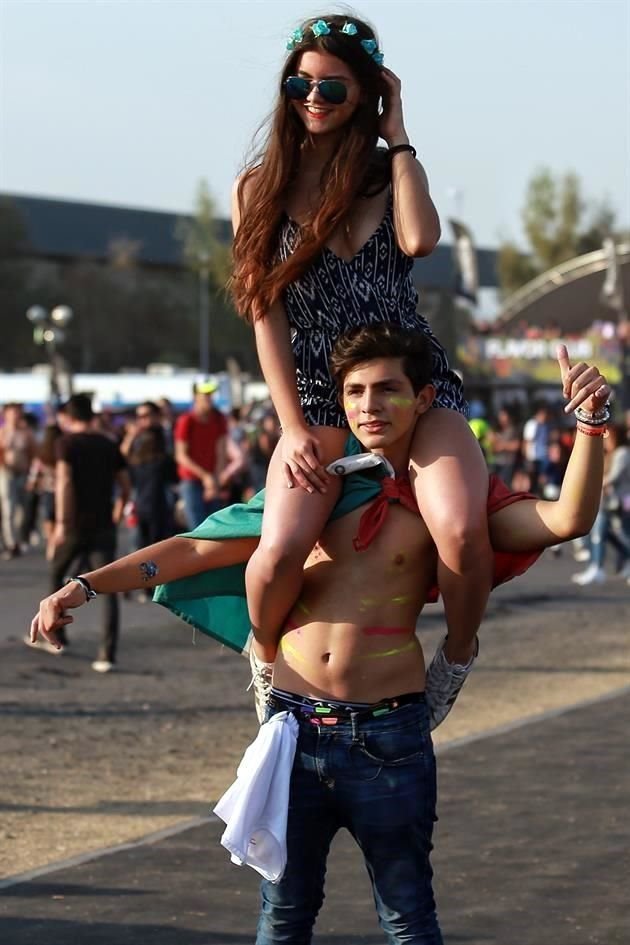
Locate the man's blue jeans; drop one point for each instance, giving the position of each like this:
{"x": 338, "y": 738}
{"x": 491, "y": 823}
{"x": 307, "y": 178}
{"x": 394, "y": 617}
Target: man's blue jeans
{"x": 196, "y": 508}
{"x": 376, "y": 778}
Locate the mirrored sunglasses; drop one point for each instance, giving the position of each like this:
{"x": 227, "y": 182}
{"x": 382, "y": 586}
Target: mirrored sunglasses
{"x": 333, "y": 91}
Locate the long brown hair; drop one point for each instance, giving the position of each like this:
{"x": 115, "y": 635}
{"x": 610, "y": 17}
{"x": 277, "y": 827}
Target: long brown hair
{"x": 355, "y": 168}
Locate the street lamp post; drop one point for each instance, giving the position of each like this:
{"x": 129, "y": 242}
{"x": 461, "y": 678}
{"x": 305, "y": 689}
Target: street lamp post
{"x": 49, "y": 331}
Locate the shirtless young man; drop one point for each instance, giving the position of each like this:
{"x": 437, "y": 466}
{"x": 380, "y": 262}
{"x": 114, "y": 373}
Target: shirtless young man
{"x": 349, "y": 664}
{"x": 351, "y": 668}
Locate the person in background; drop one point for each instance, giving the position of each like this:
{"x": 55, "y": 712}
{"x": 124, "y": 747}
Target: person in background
{"x": 266, "y": 438}
{"x": 17, "y": 448}
{"x": 611, "y": 524}
{"x": 200, "y": 452}
{"x": 88, "y": 468}
{"x": 167, "y": 419}
{"x": 479, "y": 424}
{"x": 618, "y": 480}
{"x": 105, "y": 424}
{"x": 550, "y": 483}
{"x": 536, "y": 434}
{"x": 551, "y": 480}
{"x": 234, "y": 479}
{"x": 29, "y": 535}
{"x": 152, "y": 473}
{"x": 506, "y": 445}
{"x": 41, "y": 482}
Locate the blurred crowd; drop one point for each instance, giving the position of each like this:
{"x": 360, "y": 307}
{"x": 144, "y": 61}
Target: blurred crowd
{"x": 530, "y": 452}
{"x": 181, "y": 466}
{"x": 87, "y": 487}
{"x": 131, "y": 478}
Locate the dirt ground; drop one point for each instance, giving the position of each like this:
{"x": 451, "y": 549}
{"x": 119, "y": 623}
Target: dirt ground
{"x": 90, "y": 761}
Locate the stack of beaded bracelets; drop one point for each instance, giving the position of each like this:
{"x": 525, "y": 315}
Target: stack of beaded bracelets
{"x": 593, "y": 424}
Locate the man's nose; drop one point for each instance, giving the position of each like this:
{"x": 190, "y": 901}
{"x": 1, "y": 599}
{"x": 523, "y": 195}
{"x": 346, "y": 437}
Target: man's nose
{"x": 370, "y": 402}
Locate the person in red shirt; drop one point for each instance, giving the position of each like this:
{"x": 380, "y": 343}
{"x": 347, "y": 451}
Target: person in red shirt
{"x": 200, "y": 452}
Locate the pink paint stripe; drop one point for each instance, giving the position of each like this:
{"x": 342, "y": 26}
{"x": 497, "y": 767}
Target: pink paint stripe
{"x": 385, "y": 631}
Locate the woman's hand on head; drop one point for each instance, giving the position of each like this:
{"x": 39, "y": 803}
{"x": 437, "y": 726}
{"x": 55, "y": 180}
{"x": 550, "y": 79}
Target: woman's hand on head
{"x": 391, "y": 125}
{"x": 301, "y": 454}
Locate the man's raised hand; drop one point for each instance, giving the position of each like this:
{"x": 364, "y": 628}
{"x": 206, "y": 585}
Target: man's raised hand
{"x": 583, "y": 385}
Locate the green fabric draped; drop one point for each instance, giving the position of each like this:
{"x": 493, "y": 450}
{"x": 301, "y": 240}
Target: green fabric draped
{"x": 214, "y": 602}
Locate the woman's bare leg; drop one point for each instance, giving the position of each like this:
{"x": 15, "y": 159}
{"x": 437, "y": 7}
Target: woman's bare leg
{"x": 293, "y": 520}
{"x": 450, "y": 480}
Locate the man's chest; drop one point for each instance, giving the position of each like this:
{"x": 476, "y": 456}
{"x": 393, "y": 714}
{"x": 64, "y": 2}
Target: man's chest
{"x": 401, "y": 544}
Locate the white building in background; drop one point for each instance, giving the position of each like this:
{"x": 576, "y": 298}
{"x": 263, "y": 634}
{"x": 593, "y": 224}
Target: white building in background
{"x": 118, "y": 391}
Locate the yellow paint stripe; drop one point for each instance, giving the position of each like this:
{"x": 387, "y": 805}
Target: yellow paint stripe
{"x": 291, "y": 651}
{"x": 383, "y": 653}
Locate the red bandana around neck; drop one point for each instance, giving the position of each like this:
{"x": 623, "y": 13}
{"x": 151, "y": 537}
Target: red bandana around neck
{"x": 375, "y": 516}
{"x": 506, "y": 564}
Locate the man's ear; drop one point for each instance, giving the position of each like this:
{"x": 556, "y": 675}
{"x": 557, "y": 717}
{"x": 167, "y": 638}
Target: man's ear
{"x": 425, "y": 398}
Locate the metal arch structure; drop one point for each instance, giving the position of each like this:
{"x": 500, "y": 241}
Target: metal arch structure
{"x": 569, "y": 295}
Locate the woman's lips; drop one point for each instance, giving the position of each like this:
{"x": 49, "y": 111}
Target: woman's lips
{"x": 317, "y": 115}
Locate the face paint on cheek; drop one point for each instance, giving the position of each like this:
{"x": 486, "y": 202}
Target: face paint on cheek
{"x": 351, "y": 408}
{"x": 402, "y": 599}
{"x": 396, "y": 401}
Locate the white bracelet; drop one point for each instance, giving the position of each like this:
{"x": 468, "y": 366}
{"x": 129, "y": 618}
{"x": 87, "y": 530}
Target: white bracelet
{"x": 597, "y": 419}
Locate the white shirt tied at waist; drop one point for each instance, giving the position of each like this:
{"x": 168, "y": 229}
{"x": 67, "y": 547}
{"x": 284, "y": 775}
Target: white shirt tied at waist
{"x": 255, "y": 808}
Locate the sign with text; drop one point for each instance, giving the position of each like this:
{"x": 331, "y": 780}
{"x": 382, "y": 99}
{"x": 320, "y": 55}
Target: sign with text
{"x": 536, "y": 349}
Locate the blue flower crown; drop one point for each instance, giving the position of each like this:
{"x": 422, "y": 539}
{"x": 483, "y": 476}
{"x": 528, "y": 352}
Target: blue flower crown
{"x": 322, "y": 28}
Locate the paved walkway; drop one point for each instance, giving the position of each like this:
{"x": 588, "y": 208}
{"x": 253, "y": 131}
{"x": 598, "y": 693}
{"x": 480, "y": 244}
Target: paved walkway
{"x": 531, "y": 849}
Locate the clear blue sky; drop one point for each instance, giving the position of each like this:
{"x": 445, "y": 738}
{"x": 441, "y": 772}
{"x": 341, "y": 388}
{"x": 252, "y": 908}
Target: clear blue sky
{"x": 131, "y": 102}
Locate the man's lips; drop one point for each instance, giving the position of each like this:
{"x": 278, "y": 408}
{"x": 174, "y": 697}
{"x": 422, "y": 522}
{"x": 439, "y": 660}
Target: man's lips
{"x": 374, "y": 426}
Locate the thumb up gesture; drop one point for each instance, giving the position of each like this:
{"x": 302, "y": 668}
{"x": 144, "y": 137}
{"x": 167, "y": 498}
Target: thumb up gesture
{"x": 583, "y": 385}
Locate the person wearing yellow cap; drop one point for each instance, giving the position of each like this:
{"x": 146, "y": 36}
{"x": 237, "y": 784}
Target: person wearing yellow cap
{"x": 200, "y": 452}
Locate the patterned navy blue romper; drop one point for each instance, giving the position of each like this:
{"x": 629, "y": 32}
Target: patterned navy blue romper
{"x": 333, "y": 296}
